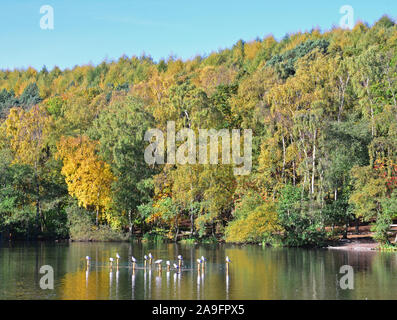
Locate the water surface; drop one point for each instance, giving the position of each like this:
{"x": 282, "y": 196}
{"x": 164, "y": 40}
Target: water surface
{"x": 255, "y": 272}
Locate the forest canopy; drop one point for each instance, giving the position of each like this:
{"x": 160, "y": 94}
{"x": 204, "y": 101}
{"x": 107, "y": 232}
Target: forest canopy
{"x": 321, "y": 105}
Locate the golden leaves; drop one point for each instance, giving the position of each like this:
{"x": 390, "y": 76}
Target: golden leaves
{"x": 88, "y": 178}
{"x": 28, "y": 132}
{"x": 256, "y": 226}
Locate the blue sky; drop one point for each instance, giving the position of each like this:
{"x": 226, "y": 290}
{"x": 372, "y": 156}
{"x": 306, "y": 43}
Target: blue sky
{"x": 89, "y": 31}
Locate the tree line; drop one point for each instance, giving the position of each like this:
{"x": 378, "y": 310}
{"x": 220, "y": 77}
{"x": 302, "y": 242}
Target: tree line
{"x": 321, "y": 105}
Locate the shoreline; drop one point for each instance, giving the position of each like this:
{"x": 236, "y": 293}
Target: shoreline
{"x": 363, "y": 244}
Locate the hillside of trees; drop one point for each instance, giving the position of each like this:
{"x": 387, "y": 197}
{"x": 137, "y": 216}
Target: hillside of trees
{"x": 321, "y": 105}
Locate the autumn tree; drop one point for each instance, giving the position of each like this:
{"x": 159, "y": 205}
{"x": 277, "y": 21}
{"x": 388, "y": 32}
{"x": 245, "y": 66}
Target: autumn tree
{"x": 120, "y": 130}
{"x": 88, "y": 178}
{"x": 29, "y": 133}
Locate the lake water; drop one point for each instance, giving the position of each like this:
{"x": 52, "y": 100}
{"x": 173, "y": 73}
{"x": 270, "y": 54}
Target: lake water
{"x": 254, "y": 273}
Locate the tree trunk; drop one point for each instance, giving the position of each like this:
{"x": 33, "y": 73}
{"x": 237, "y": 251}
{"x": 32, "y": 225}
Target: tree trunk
{"x": 371, "y": 105}
{"x": 342, "y": 95}
{"x": 357, "y": 226}
{"x": 177, "y": 229}
{"x": 346, "y": 229}
{"x": 293, "y": 173}
{"x": 191, "y": 222}
{"x": 283, "y": 172}
{"x": 131, "y": 231}
{"x": 38, "y": 214}
{"x": 314, "y": 160}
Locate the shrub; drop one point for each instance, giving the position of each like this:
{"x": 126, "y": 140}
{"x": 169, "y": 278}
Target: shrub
{"x": 301, "y": 224}
{"x": 385, "y": 219}
{"x": 254, "y": 223}
{"x": 156, "y": 235}
{"x": 284, "y": 64}
{"x": 83, "y": 228}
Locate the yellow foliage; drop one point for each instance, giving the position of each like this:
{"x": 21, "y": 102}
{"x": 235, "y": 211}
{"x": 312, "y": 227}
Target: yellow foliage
{"x": 256, "y": 226}
{"x": 28, "y": 132}
{"x": 251, "y": 49}
{"x": 88, "y": 178}
{"x": 210, "y": 77}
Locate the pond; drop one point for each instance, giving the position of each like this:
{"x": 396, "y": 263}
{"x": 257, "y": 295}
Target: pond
{"x": 255, "y": 272}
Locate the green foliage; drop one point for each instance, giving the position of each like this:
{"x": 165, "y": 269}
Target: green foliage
{"x": 189, "y": 241}
{"x": 384, "y": 22}
{"x": 256, "y": 221}
{"x": 285, "y": 63}
{"x": 30, "y": 96}
{"x": 382, "y": 228}
{"x": 322, "y": 108}
{"x": 55, "y": 106}
{"x": 120, "y": 130}
{"x": 387, "y": 247}
{"x": 385, "y": 219}
{"x": 157, "y": 235}
{"x": 82, "y": 227}
{"x": 302, "y": 227}
{"x": 7, "y": 101}
{"x": 338, "y": 212}
{"x": 209, "y": 240}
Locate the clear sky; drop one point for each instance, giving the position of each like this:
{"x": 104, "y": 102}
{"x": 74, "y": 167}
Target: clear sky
{"x": 89, "y": 31}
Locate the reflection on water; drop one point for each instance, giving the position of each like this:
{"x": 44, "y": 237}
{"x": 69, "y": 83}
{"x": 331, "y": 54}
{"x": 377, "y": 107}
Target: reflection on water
{"x": 227, "y": 285}
{"x": 110, "y": 283}
{"x": 254, "y": 273}
{"x": 133, "y": 286}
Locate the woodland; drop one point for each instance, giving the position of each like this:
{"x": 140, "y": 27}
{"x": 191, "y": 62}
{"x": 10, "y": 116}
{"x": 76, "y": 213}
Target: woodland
{"x": 323, "y": 113}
